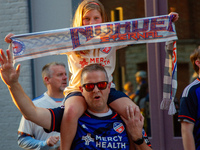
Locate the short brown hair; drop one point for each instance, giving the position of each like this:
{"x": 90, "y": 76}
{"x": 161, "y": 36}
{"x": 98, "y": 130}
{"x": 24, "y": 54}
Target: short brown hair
{"x": 91, "y": 68}
{"x": 193, "y": 57}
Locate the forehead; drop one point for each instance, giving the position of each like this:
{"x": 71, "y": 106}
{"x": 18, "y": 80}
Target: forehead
{"x": 93, "y": 77}
{"x": 57, "y": 68}
{"x": 92, "y": 12}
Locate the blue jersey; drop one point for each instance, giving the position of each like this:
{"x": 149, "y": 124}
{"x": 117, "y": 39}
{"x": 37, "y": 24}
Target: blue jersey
{"x": 190, "y": 108}
{"x": 96, "y": 132}
{"x": 101, "y": 133}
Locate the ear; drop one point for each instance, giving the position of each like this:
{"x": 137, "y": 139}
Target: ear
{"x": 46, "y": 79}
{"x": 81, "y": 89}
{"x": 197, "y": 62}
{"x": 109, "y": 85}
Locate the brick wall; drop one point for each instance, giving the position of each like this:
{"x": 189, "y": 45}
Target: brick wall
{"x": 14, "y": 19}
{"x": 187, "y": 26}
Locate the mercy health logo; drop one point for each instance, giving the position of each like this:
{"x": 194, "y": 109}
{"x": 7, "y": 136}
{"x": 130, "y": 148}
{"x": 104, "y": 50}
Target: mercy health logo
{"x": 118, "y": 127}
{"x": 104, "y": 142}
{"x": 87, "y": 139}
{"x": 17, "y": 47}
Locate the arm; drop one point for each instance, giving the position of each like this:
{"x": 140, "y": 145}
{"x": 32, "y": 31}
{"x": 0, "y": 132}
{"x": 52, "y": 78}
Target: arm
{"x": 9, "y": 75}
{"x": 134, "y": 127}
{"x": 27, "y": 142}
{"x": 32, "y": 136}
{"x": 187, "y": 135}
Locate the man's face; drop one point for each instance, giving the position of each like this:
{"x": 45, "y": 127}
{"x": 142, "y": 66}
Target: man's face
{"x": 96, "y": 99}
{"x": 138, "y": 79}
{"x": 58, "y": 78}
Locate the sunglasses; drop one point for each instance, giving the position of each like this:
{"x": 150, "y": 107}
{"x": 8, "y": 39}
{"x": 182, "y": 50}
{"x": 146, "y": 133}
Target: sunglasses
{"x": 90, "y": 86}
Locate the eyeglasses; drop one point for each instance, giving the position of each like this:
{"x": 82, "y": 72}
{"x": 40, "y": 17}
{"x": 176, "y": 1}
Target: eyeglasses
{"x": 90, "y": 86}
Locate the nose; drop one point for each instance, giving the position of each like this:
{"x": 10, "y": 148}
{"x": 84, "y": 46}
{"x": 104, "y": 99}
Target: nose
{"x": 64, "y": 77}
{"x": 96, "y": 89}
{"x": 92, "y": 21}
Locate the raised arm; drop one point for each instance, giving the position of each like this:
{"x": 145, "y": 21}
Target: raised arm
{"x": 10, "y": 75}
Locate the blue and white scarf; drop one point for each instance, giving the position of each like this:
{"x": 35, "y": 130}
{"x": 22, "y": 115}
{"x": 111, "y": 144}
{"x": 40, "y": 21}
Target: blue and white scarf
{"x": 170, "y": 78}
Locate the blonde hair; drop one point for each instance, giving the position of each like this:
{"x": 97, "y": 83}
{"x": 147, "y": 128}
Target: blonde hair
{"x": 84, "y": 7}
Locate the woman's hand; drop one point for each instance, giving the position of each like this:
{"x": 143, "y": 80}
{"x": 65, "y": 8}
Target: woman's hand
{"x": 176, "y": 16}
{"x": 8, "y": 38}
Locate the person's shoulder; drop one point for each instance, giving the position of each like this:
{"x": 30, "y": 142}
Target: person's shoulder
{"x": 191, "y": 87}
{"x": 40, "y": 99}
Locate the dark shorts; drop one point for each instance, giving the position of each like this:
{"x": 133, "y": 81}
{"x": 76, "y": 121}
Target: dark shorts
{"x": 114, "y": 94}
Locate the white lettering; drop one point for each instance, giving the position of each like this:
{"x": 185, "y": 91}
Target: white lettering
{"x": 104, "y": 139}
{"x": 120, "y": 138}
{"x": 115, "y": 138}
{"x": 98, "y": 144}
{"x": 98, "y": 137}
{"x": 115, "y": 145}
{"x": 109, "y": 138}
{"x": 109, "y": 145}
{"x": 103, "y": 144}
{"x": 123, "y": 145}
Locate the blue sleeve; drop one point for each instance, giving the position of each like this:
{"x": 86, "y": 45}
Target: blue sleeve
{"x": 56, "y": 118}
{"x": 28, "y": 142}
{"x": 189, "y": 105}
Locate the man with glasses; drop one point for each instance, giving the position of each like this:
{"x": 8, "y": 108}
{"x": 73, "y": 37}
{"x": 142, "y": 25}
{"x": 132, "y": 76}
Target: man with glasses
{"x": 99, "y": 127}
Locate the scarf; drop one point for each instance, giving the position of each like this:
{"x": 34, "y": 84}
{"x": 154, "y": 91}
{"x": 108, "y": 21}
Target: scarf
{"x": 170, "y": 78}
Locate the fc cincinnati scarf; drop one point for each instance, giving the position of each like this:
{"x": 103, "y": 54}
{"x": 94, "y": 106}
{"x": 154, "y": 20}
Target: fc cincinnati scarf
{"x": 134, "y": 31}
{"x": 144, "y": 30}
{"x": 170, "y": 78}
